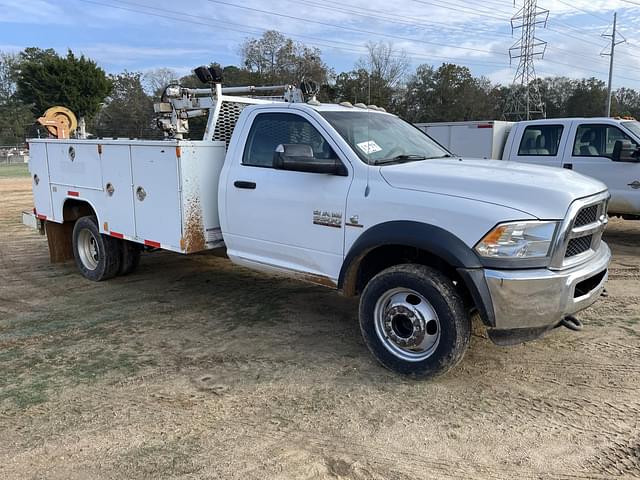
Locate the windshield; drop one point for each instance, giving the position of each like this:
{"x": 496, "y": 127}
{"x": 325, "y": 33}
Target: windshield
{"x": 383, "y": 139}
{"x": 634, "y": 127}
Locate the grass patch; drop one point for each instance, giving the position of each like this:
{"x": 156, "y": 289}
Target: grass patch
{"x": 14, "y": 170}
{"x": 30, "y": 376}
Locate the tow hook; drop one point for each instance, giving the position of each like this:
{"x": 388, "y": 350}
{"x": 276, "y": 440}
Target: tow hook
{"x": 572, "y": 323}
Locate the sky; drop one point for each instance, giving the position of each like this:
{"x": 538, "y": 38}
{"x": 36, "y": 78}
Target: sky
{"x": 142, "y": 35}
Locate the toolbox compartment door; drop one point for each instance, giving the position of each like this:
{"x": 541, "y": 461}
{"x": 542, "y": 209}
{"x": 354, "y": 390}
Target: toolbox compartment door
{"x": 74, "y": 163}
{"x": 118, "y": 204}
{"x": 156, "y": 194}
{"x": 39, "y": 169}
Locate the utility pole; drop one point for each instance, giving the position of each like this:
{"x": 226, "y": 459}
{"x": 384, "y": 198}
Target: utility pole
{"x": 525, "y": 99}
{"x": 611, "y": 54}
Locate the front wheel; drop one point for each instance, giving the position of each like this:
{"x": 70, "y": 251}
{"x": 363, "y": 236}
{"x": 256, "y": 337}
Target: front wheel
{"x": 413, "y": 321}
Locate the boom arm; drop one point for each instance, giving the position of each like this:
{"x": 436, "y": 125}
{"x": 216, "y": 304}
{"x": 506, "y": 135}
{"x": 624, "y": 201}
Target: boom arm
{"x": 179, "y": 104}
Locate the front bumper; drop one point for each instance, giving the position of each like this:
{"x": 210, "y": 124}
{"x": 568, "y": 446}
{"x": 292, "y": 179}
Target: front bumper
{"x": 538, "y": 299}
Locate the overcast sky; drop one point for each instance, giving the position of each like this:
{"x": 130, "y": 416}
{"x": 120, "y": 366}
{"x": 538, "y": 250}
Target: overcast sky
{"x": 139, "y": 35}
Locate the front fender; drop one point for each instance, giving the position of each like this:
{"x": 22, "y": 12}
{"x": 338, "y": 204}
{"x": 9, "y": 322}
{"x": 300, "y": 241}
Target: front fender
{"x": 431, "y": 239}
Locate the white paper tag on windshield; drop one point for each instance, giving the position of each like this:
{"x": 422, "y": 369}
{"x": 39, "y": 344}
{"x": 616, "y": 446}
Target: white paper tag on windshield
{"x": 369, "y": 147}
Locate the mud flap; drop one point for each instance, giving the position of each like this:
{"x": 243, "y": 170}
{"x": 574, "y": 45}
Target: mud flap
{"x": 59, "y": 238}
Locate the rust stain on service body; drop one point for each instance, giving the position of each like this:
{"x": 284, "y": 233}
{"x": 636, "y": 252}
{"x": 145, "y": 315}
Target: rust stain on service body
{"x": 194, "y": 240}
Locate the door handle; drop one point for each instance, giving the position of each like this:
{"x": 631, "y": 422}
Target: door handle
{"x": 244, "y": 184}
{"x": 568, "y": 166}
{"x": 635, "y": 184}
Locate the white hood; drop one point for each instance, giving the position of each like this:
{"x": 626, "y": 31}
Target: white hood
{"x": 543, "y": 192}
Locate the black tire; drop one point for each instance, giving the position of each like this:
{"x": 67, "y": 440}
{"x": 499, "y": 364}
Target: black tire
{"x": 130, "y": 257}
{"x": 101, "y": 261}
{"x": 441, "y": 348}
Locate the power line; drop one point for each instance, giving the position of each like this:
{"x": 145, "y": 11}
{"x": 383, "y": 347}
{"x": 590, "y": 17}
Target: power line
{"x": 356, "y": 30}
{"x": 467, "y": 10}
{"x": 346, "y": 46}
{"x": 333, "y": 44}
{"x": 378, "y": 14}
{"x": 584, "y": 11}
{"x": 388, "y": 17}
{"x": 491, "y": 12}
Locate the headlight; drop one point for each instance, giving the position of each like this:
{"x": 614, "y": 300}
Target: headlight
{"x": 518, "y": 240}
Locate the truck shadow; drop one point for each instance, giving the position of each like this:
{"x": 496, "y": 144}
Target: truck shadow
{"x": 204, "y": 313}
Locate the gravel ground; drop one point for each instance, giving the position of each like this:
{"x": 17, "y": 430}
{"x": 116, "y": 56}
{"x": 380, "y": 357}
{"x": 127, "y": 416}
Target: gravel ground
{"x": 193, "y": 368}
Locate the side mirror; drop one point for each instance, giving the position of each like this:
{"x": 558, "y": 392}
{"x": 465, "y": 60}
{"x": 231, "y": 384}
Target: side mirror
{"x": 625, "y": 151}
{"x": 299, "y": 158}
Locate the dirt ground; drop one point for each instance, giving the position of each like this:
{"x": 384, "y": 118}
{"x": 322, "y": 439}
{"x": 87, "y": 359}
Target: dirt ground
{"x": 192, "y": 368}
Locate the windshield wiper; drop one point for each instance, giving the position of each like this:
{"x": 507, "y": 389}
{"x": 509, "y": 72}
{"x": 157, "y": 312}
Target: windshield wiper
{"x": 408, "y": 158}
{"x": 400, "y": 159}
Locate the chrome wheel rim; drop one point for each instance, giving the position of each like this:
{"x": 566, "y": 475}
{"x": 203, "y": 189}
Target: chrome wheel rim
{"x": 88, "y": 249}
{"x": 407, "y": 324}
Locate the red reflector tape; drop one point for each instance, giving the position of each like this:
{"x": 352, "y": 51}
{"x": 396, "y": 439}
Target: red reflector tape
{"x": 116, "y": 234}
{"x": 151, "y": 243}
{"x": 485, "y": 125}
{"x": 41, "y": 217}
{"x": 73, "y": 194}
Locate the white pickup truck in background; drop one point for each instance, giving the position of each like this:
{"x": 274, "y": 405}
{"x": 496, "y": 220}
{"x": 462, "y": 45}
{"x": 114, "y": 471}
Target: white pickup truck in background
{"x": 607, "y": 149}
{"x": 349, "y": 197}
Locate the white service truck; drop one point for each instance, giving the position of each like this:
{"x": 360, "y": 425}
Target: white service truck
{"x": 607, "y": 149}
{"x": 349, "y": 197}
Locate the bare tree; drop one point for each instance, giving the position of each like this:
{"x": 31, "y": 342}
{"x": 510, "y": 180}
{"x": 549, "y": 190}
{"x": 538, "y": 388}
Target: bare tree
{"x": 377, "y": 76}
{"x": 8, "y": 66}
{"x": 385, "y": 62}
{"x": 274, "y": 58}
{"x": 154, "y": 81}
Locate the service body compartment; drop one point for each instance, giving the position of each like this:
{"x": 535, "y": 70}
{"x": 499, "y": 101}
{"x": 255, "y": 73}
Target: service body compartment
{"x": 156, "y": 189}
{"x": 39, "y": 170}
{"x": 470, "y": 139}
{"x": 160, "y": 193}
{"x": 118, "y": 213}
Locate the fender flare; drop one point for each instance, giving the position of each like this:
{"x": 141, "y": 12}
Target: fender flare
{"x": 79, "y": 200}
{"x": 432, "y": 239}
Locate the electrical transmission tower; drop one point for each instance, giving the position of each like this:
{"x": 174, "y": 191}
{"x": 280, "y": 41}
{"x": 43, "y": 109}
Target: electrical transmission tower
{"x": 525, "y": 100}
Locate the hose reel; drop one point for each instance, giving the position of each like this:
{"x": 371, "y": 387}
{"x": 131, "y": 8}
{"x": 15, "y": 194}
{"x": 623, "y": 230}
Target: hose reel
{"x": 60, "y": 122}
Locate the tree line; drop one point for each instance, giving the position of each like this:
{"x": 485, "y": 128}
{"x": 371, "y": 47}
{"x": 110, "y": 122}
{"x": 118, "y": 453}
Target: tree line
{"x": 121, "y": 104}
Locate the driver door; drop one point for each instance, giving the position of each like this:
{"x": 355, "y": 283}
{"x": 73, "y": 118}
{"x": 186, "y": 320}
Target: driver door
{"x": 290, "y": 220}
{"x": 592, "y": 154}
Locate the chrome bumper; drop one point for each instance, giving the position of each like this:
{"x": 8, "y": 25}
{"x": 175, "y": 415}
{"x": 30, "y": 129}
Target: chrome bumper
{"x": 541, "y": 298}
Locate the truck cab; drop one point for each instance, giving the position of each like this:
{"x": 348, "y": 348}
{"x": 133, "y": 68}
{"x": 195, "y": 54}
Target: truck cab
{"x": 604, "y": 148}
{"x": 359, "y": 200}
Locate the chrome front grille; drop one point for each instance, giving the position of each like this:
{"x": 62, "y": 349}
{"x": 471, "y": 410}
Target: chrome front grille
{"x": 587, "y": 215}
{"x": 581, "y": 232}
{"x": 576, "y": 246}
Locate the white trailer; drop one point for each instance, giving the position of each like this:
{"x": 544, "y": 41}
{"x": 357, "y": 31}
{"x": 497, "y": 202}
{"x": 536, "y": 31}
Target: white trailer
{"x": 470, "y": 139}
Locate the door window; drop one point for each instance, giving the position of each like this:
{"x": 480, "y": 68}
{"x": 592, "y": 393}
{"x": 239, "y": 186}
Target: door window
{"x": 598, "y": 140}
{"x": 272, "y": 129}
{"x": 540, "y": 141}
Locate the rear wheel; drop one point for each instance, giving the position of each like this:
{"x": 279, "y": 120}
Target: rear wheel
{"x": 130, "y": 257}
{"x": 97, "y": 256}
{"x": 413, "y": 321}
